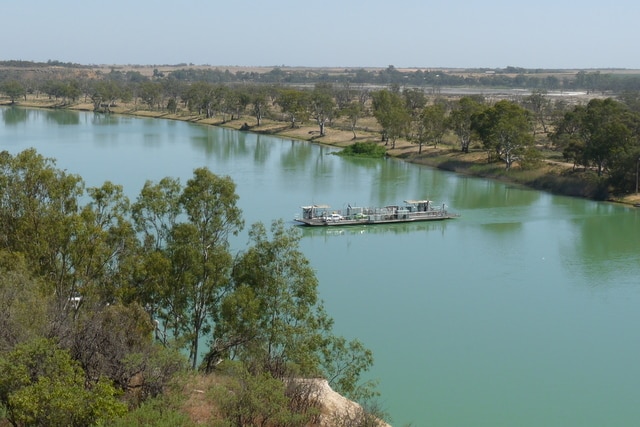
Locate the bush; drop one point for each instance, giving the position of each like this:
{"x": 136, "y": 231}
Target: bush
{"x": 364, "y": 149}
{"x": 42, "y": 385}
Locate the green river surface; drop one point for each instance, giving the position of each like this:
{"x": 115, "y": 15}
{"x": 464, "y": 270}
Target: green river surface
{"x": 525, "y": 311}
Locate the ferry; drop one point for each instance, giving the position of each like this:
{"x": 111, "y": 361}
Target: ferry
{"x": 412, "y": 210}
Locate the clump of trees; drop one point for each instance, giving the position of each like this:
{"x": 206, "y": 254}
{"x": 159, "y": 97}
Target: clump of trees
{"x": 602, "y": 135}
{"x": 101, "y": 297}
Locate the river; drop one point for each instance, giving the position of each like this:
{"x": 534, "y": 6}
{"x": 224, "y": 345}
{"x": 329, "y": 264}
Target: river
{"x": 525, "y": 311}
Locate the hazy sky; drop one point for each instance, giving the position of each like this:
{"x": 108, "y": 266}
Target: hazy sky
{"x": 342, "y": 33}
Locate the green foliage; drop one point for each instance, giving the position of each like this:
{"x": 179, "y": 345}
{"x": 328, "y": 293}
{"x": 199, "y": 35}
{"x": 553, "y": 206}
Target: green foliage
{"x": 157, "y": 412}
{"x": 13, "y": 89}
{"x": 602, "y": 135}
{"x": 256, "y": 399}
{"x": 274, "y": 322}
{"x": 23, "y": 305}
{"x": 273, "y": 317}
{"x": 83, "y": 273}
{"x": 432, "y": 125}
{"x": 353, "y": 111}
{"x": 461, "y": 120}
{"x": 42, "y": 385}
{"x": 390, "y": 111}
{"x": 343, "y": 364}
{"x": 506, "y": 129}
{"x": 186, "y": 264}
{"x": 295, "y": 104}
{"x": 322, "y": 105}
{"x": 363, "y": 149}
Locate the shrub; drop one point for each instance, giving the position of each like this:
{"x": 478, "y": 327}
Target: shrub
{"x": 364, "y": 149}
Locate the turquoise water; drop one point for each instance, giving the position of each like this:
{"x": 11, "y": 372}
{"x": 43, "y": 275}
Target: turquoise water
{"x": 523, "y": 312}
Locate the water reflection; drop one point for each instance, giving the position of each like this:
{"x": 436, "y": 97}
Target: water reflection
{"x": 261, "y": 151}
{"x": 605, "y": 246}
{"x": 223, "y": 144}
{"x": 62, "y": 117}
{"x": 98, "y": 119}
{"x": 11, "y": 116}
{"x": 472, "y": 193}
{"x": 298, "y": 154}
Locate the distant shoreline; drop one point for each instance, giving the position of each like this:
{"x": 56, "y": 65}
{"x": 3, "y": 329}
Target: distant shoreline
{"x": 550, "y": 177}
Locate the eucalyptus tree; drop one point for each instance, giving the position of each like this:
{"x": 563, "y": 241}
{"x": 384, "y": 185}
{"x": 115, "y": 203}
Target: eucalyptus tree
{"x": 172, "y": 89}
{"x": 105, "y": 247}
{"x": 192, "y": 96}
{"x": 200, "y": 249}
{"x": 322, "y": 105}
{"x": 152, "y": 94}
{"x": 461, "y": 120}
{"x": 415, "y": 101}
{"x": 155, "y": 213}
{"x": 540, "y": 105}
{"x": 225, "y": 101}
{"x": 242, "y": 100}
{"x": 272, "y": 319}
{"x": 105, "y": 93}
{"x": 432, "y": 124}
{"x": 353, "y": 111}
{"x": 187, "y": 262}
{"x": 344, "y": 95}
{"x": 391, "y": 113}
{"x": 38, "y": 211}
{"x": 259, "y": 101}
{"x": 506, "y": 129}
{"x": 13, "y": 89}
{"x": 602, "y": 134}
{"x": 293, "y": 103}
{"x": 566, "y": 136}
{"x": 79, "y": 253}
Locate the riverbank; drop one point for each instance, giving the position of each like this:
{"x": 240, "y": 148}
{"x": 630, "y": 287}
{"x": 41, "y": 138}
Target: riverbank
{"x": 551, "y": 175}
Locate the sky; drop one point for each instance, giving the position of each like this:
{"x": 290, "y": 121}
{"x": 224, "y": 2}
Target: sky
{"x": 549, "y": 34}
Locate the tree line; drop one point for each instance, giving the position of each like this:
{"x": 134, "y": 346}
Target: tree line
{"x": 601, "y": 136}
{"x": 514, "y": 131}
{"x": 101, "y": 296}
{"x": 509, "y": 77}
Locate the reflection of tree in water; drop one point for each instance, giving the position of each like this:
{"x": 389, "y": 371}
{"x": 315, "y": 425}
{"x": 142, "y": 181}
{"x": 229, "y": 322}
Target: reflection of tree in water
{"x": 471, "y": 193}
{"x": 62, "y": 117}
{"x": 607, "y": 247}
{"x": 223, "y": 144}
{"x": 99, "y": 119}
{"x": 297, "y": 154}
{"x": 262, "y": 150}
{"x": 14, "y": 115}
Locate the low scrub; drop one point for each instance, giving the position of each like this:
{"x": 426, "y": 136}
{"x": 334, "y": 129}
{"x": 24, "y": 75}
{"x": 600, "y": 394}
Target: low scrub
{"x": 364, "y": 149}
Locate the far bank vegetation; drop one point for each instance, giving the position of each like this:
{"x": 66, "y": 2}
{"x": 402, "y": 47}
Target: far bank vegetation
{"x": 570, "y": 132}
